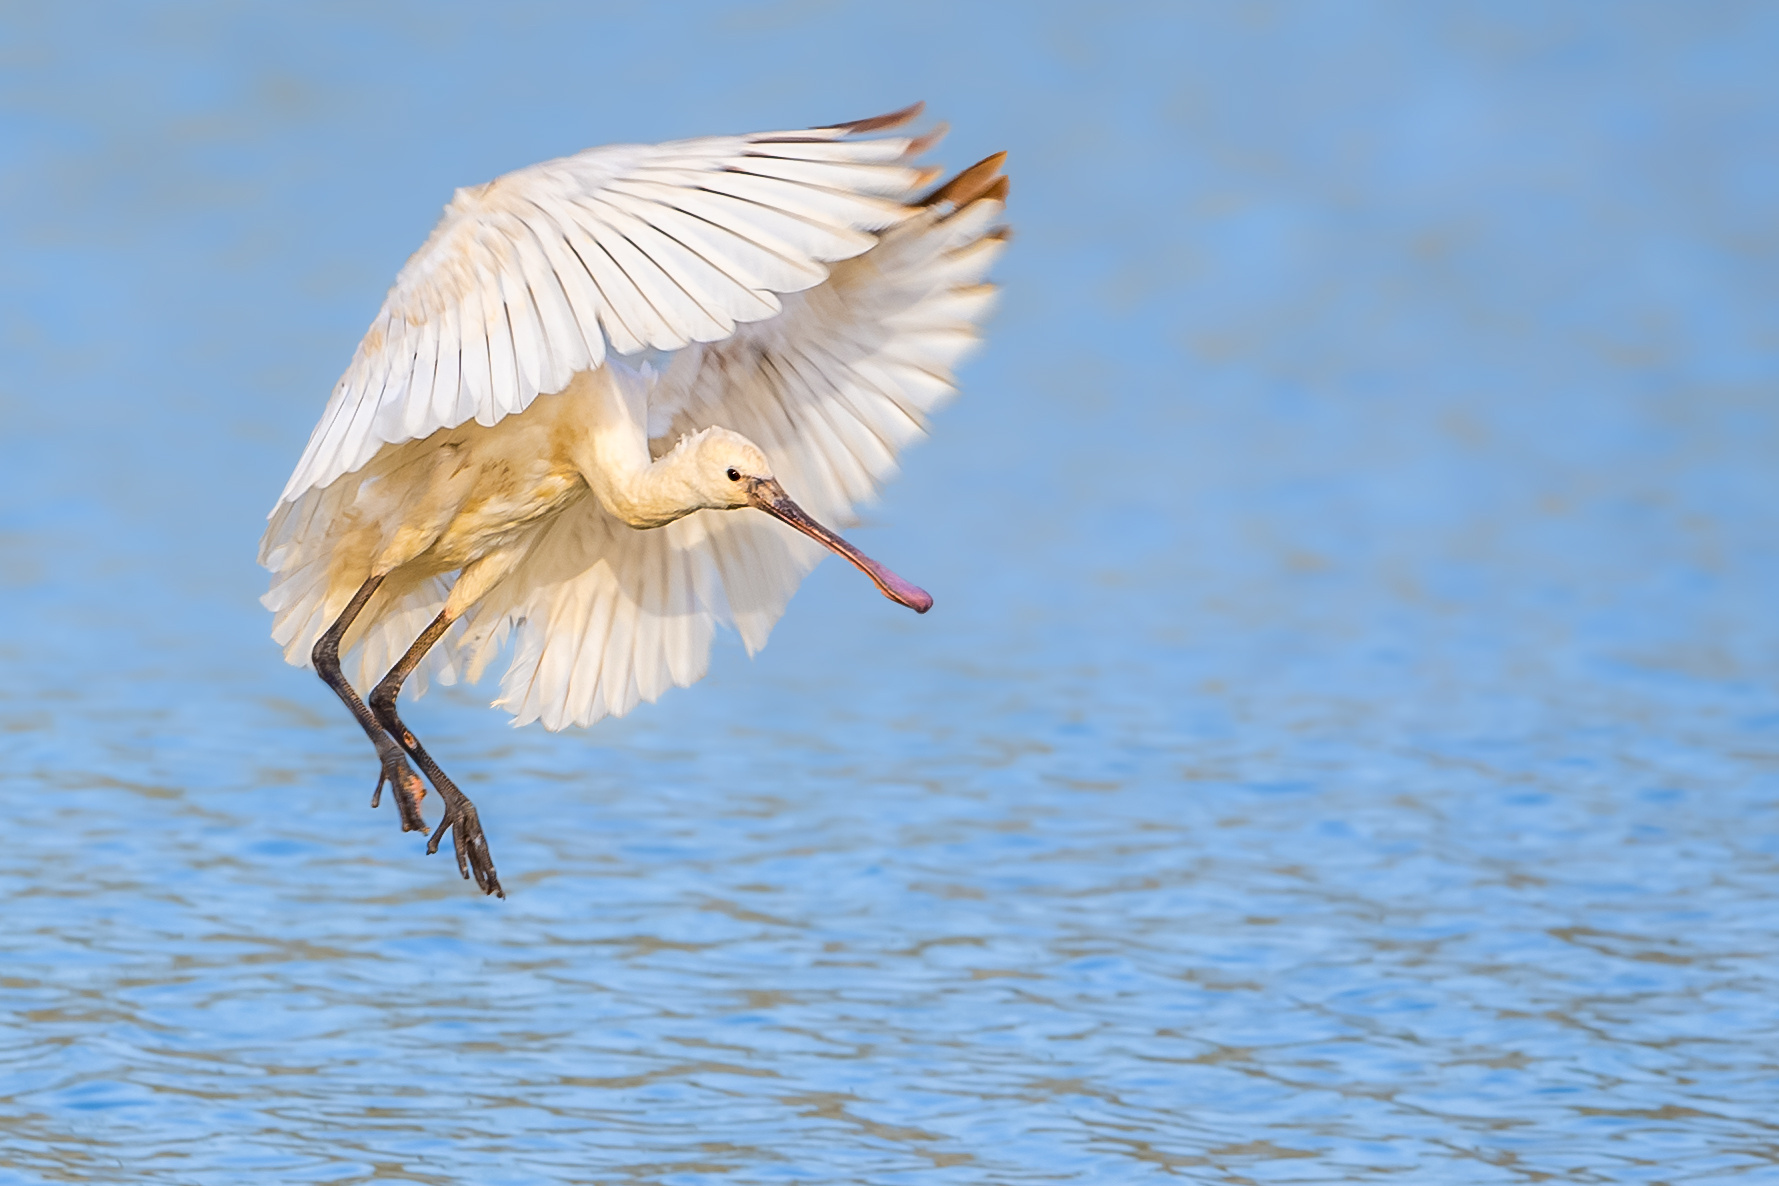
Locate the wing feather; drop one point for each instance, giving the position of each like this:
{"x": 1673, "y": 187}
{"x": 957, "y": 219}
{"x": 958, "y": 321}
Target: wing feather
{"x": 563, "y": 350}
{"x": 625, "y": 298}
{"x": 503, "y": 367}
{"x": 847, "y": 178}
{"x": 617, "y": 679}
{"x": 696, "y": 258}
{"x": 576, "y": 283}
{"x": 390, "y": 387}
{"x": 426, "y": 361}
{"x": 447, "y": 378}
{"x": 477, "y": 389}
{"x": 749, "y": 268}
{"x": 833, "y": 211}
{"x": 863, "y": 152}
{"x": 356, "y": 412}
{"x": 790, "y": 246}
{"x": 536, "y": 275}
{"x": 666, "y": 273}
{"x": 526, "y": 332}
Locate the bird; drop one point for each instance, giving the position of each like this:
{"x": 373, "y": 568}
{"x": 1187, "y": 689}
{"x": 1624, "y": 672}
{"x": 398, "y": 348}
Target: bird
{"x": 573, "y": 430}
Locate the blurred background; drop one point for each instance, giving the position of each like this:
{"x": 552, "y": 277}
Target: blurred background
{"x": 1344, "y": 748}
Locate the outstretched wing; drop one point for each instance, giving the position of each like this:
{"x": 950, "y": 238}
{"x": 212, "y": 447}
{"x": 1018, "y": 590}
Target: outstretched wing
{"x": 837, "y": 384}
{"x": 832, "y": 388}
{"x": 536, "y": 275}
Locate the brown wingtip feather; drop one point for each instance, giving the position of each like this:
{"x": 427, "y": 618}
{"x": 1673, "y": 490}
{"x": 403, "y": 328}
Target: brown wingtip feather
{"x": 920, "y": 144}
{"x": 894, "y": 119}
{"x": 980, "y": 180}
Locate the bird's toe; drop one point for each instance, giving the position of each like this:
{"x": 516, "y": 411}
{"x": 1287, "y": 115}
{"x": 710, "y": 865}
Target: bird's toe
{"x": 469, "y": 845}
{"x": 405, "y": 787}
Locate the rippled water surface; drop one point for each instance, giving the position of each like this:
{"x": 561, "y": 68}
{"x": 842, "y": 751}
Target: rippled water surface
{"x": 1346, "y": 747}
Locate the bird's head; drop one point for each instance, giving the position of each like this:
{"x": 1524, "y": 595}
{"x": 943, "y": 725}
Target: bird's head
{"x": 730, "y": 472}
{"x": 723, "y": 467}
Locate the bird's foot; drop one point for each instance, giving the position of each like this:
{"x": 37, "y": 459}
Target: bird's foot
{"x": 405, "y": 788}
{"x": 470, "y": 843}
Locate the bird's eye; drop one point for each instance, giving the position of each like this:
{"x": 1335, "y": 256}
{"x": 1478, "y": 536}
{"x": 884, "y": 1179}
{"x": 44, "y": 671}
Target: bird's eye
{"x": 734, "y": 474}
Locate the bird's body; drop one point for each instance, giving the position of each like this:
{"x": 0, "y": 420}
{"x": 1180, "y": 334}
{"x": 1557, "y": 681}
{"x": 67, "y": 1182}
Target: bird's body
{"x": 583, "y": 369}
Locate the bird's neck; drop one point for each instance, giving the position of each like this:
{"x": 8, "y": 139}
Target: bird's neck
{"x": 611, "y": 449}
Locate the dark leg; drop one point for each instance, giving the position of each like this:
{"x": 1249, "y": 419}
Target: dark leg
{"x": 404, "y": 784}
{"x": 460, "y": 813}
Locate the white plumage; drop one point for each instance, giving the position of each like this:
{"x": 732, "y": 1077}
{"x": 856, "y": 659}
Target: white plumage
{"x": 538, "y": 405}
{"x": 526, "y": 279}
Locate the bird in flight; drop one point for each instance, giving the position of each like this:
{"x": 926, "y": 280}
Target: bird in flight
{"x": 584, "y": 369}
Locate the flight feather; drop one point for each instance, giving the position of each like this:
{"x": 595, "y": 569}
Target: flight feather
{"x": 542, "y": 272}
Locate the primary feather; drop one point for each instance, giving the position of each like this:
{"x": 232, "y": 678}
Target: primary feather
{"x": 526, "y": 279}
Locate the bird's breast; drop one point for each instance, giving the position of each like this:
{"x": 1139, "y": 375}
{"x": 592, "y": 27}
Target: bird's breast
{"x": 506, "y": 503}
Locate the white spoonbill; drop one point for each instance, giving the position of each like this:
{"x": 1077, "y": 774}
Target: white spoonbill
{"x": 587, "y": 363}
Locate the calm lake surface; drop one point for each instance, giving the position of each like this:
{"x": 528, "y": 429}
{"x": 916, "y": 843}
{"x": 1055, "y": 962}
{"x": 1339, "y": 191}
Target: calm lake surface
{"x": 1346, "y": 747}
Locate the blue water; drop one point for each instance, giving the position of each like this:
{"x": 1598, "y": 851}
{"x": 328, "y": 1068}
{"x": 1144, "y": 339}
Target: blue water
{"x": 1346, "y": 747}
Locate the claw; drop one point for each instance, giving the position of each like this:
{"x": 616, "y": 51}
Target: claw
{"x": 469, "y": 846}
{"x": 405, "y": 788}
